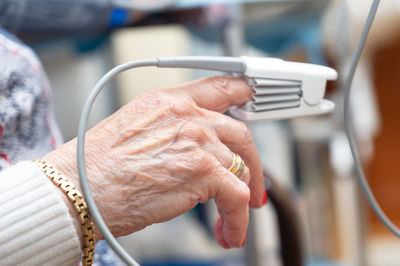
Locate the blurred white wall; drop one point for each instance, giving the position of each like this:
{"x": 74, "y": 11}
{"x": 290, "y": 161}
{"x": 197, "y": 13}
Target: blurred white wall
{"x": 72, "y": 76}
{"x": 147, "y": 43}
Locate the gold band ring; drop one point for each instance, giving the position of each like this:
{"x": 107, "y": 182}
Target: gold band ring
{"x": 237, "y": 165}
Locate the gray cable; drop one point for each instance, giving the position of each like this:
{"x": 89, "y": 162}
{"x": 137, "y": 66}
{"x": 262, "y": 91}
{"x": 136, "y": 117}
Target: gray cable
{"x": 219, "y": 63}
{"x": 212, "y": 63}
{"x": 349, "y": 130}
{"x": 112, "y": 242}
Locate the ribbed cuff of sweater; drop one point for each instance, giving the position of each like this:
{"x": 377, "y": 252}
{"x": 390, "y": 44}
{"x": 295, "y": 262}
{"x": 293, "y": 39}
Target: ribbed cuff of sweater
{"x": 35, "y": 225}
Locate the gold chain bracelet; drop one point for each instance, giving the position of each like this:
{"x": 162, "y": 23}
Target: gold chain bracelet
{"x": 80, "y": 205}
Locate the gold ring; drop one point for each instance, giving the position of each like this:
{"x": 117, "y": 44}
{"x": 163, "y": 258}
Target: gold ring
{"x": 237, "y": 165}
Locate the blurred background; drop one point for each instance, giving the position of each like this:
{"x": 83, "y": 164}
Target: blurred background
{"x": 316, "y": 214}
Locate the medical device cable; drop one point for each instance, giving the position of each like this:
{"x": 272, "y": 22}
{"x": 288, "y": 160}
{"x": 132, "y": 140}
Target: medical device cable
{"x": 112, "y": 242}
{"x": 202, "y": 62}
{"x": 229, "y": 65}
{"x": 349, "y": 128}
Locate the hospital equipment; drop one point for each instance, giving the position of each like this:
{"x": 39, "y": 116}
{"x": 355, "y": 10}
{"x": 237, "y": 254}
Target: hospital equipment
{"x": 282, "y": 90}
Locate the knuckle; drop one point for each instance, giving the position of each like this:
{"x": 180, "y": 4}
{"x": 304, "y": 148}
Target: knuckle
{"x": 221, "y": 86}
{"x": 147, "y": 101}
{"x": 195, "y": 163}
{"x": 195, "y": 133}
{"x": 218, "y": 82}
{"x": 164, "y": 102}
{"x": 180, "y": 108}
{"x": 174, "y": 108}
{"x": 203, "y": 163}
{"x": 243, "y": 195}
{"x": 246, "y": 133}
{"x": 190, "y": 130}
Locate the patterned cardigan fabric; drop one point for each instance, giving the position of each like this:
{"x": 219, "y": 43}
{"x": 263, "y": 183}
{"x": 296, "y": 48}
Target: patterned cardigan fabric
{"x": 27, "y": 125}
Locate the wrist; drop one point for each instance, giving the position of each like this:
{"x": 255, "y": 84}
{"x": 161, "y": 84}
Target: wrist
{"x": 64, "y": 160}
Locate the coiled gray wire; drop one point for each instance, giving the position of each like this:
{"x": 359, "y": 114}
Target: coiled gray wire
{"x": 113, "y": 243}
{"x": 349, "y": 129}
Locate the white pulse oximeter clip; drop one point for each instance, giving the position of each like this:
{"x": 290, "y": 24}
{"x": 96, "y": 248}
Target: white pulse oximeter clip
{"x": 284, "y": 89}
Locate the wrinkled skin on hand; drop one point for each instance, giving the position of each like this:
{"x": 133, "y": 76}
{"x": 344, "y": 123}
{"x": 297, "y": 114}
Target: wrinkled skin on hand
{"x": 166, "y": 151}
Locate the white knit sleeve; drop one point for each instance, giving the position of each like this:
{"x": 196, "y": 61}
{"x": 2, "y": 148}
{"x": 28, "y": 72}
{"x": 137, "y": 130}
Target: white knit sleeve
{"x": 35, "y": 225}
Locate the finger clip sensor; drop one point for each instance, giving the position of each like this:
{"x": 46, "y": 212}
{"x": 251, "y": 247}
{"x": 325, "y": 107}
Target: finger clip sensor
{"x": 284, "y": 90}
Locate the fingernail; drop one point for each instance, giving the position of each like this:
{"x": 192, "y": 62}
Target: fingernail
{"x": 244, "y": 240}
{"x": 265, "y": 198}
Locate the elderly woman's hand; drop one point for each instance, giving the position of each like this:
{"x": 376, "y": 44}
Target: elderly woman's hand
{"x": 168, "y": 150}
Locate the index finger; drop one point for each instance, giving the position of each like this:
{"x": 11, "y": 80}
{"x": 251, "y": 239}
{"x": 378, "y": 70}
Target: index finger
{"x": 218, "y": 93}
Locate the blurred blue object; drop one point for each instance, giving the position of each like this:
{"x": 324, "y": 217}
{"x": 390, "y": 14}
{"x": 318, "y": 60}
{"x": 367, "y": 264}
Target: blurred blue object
{"x": 282, "y": 34}
{"x": 279, "y": 35}
{"x": 118, "y": 17}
